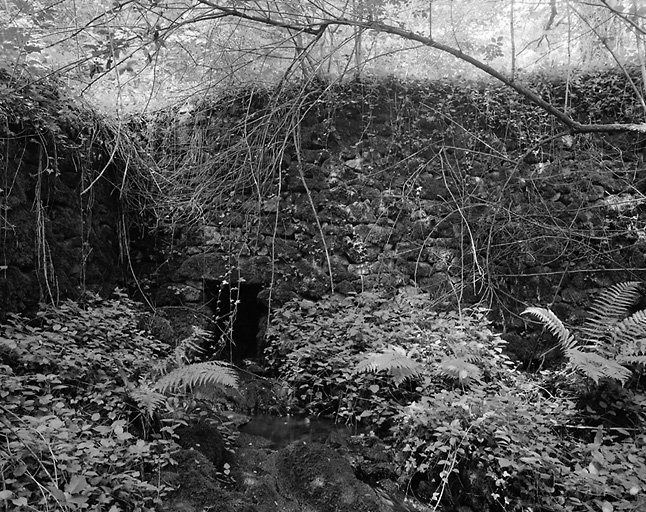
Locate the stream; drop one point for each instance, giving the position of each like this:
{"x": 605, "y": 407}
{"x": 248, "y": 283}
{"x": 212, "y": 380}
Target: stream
{"x": 284, "y": 430}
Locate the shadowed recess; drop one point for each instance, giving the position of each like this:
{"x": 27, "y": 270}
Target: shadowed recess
{"x": 239, "y": 318}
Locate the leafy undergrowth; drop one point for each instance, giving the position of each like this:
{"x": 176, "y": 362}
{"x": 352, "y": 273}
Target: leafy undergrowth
{"x": 67, "y": 426}
{"x": 465, "y": 427}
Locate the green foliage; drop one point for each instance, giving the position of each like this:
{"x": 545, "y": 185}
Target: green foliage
{"x": 349, "y": 356}
{"x": 182, "y": 371}
{"x": 394, "y": 361}
{"x": 208, "y": 373}
{"x": 147, "y": 50}
{"x": 613, "y": 305}
{"x": 554, "y": 325}
{"x": 65, "y": 423}
{"x": 611, "y": 335}
{"x": 514, "y": 449}
{"x": 464, "y": 426}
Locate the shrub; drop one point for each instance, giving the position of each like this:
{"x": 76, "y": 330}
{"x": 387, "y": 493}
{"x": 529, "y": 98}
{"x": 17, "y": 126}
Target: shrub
{"x": 65, "y": 420}
{"x": 357, "y": 357}
{"x": 464, "y": 426}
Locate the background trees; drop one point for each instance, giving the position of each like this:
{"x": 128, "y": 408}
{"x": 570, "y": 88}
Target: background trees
{"x": 138, "y": 53}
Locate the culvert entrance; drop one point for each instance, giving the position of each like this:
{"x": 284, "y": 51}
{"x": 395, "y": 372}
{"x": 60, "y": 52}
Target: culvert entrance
{"x": 240, "y": 320}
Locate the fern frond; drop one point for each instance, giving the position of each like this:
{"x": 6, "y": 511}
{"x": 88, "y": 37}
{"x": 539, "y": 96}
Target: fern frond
{"x": 597, "y": 367}
{"x": 399, "y": 375}
{"x": 629, "y": 329}
{"x": 469, "y": 357}
{"x": 460, "y": 369}
{"x": 633, "y": 352}
{"x": 190, "y": 346}
{"x": 637, "y": 360}
{"x": 161, "y": 367}
{"x": 611, "y": 306}
{"x": 147, "y": 400}
{"x": 554, "y": 325}
{"x": 393, "y": 360}
{"x": 197, "y": 374}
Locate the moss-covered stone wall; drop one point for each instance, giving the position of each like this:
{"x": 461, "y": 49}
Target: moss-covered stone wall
{"x": 468, "y": 193}
{"x": 463, "y": 190}
{"x": 55, "y": 241}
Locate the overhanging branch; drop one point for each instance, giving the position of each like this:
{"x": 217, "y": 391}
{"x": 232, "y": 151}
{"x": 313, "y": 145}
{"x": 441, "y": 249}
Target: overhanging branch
{"x": 317, "y": 29}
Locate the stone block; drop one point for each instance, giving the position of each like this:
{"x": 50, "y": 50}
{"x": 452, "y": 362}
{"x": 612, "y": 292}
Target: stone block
{"x": 408, "y": 250}
{"x": 211, "y": 266}
{"x": 418, "y": 269}
{"x": 373, "y": 234}
{"x": 285, "y": 249}
{"x": 361, "y": 212}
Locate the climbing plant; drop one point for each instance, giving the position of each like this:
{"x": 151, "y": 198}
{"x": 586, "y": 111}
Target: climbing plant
{"x": 68, "y": 429}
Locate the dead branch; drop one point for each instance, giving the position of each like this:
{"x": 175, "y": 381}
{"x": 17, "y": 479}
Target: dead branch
{"x": 317, "y": 29}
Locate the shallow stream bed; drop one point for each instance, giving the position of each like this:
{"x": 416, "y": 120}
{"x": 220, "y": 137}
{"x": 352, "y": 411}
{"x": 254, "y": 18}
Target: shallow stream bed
{"x": 283, "y": 430}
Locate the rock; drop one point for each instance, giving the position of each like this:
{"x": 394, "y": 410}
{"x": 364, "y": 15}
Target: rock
{"x": 203, "y": 266}
{"x": 355, "y": 163}
{"x": 285, "y": 249}
{"x": 194, "y": 480}
{"x": 421, "y": 269}
{"x": 205, "y": 438}
{"x": 360, "y": 212}
{"x": 159, "y": 327}
{"x": 315, "y": 156}
{"x": 373, "y": 234}
{"x": 321, "y": 480}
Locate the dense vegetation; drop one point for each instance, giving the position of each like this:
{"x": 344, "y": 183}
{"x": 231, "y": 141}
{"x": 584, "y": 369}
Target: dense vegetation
{"x": 82, "y": 424}
{"x": 465, "y": 427}
{"x": 141, "y": 53}
{"x": 462, "y": 425}
{"x": 92, "y": 405}
{"x": 66, "y": 419}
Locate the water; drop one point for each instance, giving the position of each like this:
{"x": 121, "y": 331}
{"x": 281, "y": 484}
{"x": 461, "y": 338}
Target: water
{"x": 283, "y": 430}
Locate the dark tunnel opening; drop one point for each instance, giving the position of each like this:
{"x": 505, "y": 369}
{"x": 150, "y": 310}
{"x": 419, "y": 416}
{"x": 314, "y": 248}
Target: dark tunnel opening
{"x": 240, "y": 320}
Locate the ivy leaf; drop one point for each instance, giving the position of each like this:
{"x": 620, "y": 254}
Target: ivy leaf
{"x": 20, "y": 502}
{"x": 77, "y": 484}
{"x": 503, "y": 462}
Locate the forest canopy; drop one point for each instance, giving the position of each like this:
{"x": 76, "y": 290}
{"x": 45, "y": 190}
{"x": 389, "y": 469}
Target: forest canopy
{"x": 138, "y": 54}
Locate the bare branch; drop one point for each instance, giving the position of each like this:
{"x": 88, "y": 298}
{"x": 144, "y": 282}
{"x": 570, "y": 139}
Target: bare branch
{"x": 317, "y": 29}
{"x": 624, "y": 17}
{"x": 312, "y": 29}
{"x": 553, "y": 13}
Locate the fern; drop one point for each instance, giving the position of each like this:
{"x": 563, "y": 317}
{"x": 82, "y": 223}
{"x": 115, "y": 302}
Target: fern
{"x": 631, "y": 328}
{"x": 191, "y": 346}
{"x": 634, "y": 352}
{"x": 597, "y": 367}
{"x": 611, "y": 307}
{"x": 460, "y": 369}
{"x": 393, "y": 360}
{"x": 184, "y": 377}
{"x": 611, "y": 334}
{"x": 147, "y": 400}
{"x": 198, "y": 374}
{"x": 563, "y": 335}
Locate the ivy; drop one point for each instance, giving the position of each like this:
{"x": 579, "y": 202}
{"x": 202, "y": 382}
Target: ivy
{"x": 67, "y": 431}
{"x": 463, "y": 426}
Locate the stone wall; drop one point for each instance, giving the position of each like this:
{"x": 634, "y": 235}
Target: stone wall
{"x": 55, "y": 242}
{"x": 381, "y": 190}
{"x": 379, "y": 205}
